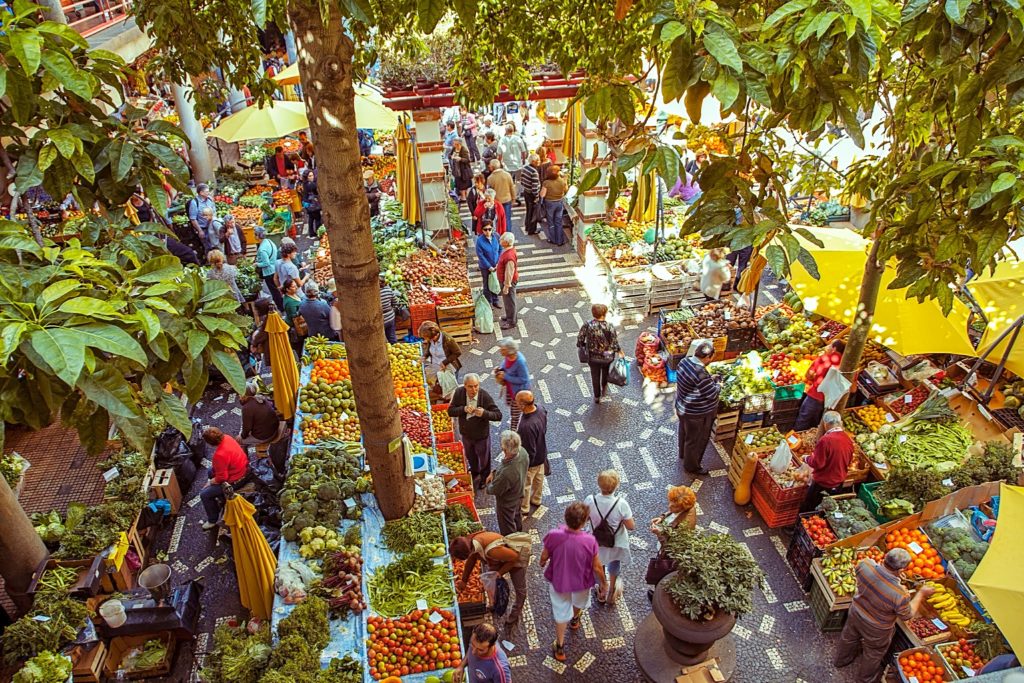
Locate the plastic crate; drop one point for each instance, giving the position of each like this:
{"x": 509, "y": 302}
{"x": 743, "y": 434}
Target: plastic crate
{"x": 938, "y": 661}
{"x": 740, "y": 340}
{"x": 773, "y": 491}
{"x": 467, "y": 500}
{"x": 829, "y": 620}
{"x": 789, "y": 392}
{"x": 758, "y": 403}
{"x": 773, "y": 516}
{"x": 801, "y": 553}
{"x": 866, "y": 493}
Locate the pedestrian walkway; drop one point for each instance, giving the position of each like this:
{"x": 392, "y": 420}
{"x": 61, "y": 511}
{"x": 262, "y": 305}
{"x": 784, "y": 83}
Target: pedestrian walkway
{"x": 542, "y": 265}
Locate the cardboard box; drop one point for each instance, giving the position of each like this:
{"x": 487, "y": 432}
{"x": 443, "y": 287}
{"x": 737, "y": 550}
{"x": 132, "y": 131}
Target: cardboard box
{"x": 705, "y": 672}
{"x": 164, "y": 484}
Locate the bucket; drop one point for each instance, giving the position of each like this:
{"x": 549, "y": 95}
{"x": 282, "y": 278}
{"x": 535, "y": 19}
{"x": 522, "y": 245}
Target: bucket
{"x": 157, "y": 580}
{"x": 113, "y": 613}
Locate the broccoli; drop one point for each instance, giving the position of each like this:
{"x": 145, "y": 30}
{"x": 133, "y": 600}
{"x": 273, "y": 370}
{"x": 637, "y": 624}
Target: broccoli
{"x": 327, "y": 491}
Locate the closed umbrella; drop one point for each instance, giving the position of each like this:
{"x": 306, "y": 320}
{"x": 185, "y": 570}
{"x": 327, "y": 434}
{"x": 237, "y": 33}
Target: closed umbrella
{"x": 996, "y": 581}
{"x": 273, "y": 120}
{"x": 282, "y": 365}
{"x": 643, "y": 204}
{"x": 571, "y": 142}
{"x": 405, "y": 175}
{"x": 255, "y": 563}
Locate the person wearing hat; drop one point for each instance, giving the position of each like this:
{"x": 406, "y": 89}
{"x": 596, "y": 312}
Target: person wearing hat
{"x": 373, "y": 192}
{"x": 195, "y": 210}
{"x": 513, "y": 376}
{"x": 266, "y": 263}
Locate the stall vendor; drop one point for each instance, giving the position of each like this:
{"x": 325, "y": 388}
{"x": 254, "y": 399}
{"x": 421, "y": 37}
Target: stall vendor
{"x": 230, "y": 466}
{"x": 813, "y": 404}
{"x": 829, "y": 462}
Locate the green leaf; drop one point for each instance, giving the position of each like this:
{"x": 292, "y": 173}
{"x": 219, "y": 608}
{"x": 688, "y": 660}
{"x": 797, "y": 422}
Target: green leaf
{"x": 229, "y": 366}
{"x": 67, "y": 74}
{"x": 27, "y": 46}
{"x": 166, "y": 128}
{"x": 161, "y": 289}
{"x": 808, "y": 262}
{"x": 725, "y": 88}
{"x": 28, "y": 173}
{"x": 196, "y": 378}
{"x": 981, "y": 197}
{"x": 113, "y": 340}
{"x": 589, "y": 179}
{"x": 671, "y": 30}
{"x": 83, "y": 165}
{"x": 598, "y": 106}
{"x": 428, "y": 13}
{"x": 861, "y": 9}
{"x": 196, "y": 341}
{"x": 64, "y": 140}
{"x": 46, "y": 156}
{"x": 956, "y": 10}
{"x": 61, "y": 350}
{"x": 150, "y": 323}
{"x": 56, "y": 292}
{"x": 20, "y": 242}
{"x": 1004, "y": 182}
{"x": 968, "y": 131}
{"x": 791, "y": 7}
{"x": 676, "y": 74}
{"x": 90, "y": 306}
{"x": 466, "y": 9}
{"x": 720, "y": 45}
{"x": 666, "y": 160}
{"x": 109, "y": 390}
{"x": 173, "y": 410}
{"x": 949, "y": 246}
{"x": 64, "y": 31}
{"x": 944, "y": 295}
{"x": 989, "y": 240}
{"x": 259, "y": 13}
{"x": 122, "y": 162}
{"x": 622, "y": 104}
{"x": 776, "y": 259}
{"x": 10, "y": 337}
{"x": 810, "y": 237}
{"x": 3, "y": 80}
{"x": 22, "y": 98}
{"x": 628, "y": 161}
{"x": 159, "y": 269}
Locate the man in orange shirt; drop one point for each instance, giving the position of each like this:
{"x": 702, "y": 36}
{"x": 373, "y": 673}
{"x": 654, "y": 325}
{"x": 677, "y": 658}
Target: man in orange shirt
{"x": 814, "y": 401}
{"x": 230, "y": 465}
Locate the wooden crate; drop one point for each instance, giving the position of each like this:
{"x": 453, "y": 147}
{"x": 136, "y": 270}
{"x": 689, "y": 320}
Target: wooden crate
{"x": 120, "y": 646}
{"x": 832, "y": 601}
{"x": 459, "y": 330}
{"x": 458, "y": 312}
{"x": 164, "y": 484}
{"x": 117, "y": 580}
{"x": 87, "y": 664}
{"x": 135, "y": 539}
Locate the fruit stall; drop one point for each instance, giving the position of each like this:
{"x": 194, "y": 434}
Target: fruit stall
{"x": 351, "y": 589}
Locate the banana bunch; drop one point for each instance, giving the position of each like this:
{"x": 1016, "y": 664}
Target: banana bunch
{"x": 837, "y": 567}
{"x": 949, "y": 605}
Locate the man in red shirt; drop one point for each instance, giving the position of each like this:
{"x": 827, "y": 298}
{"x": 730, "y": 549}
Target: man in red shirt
{"x": 508, "y": 276}
{"x": 230, "y": 464}
{"x": 814, "y": 401}
{"x": 829, "y": 461}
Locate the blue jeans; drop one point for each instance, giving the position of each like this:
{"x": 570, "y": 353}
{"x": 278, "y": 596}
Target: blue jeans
{"x": 389, "y": 332}
{"x": 810, "y": 414}
{"x": 212, "y": 498}
{"x": 508, "y": 215}
{"x": 554, "y": 210}
{"x": 612, "y": 568}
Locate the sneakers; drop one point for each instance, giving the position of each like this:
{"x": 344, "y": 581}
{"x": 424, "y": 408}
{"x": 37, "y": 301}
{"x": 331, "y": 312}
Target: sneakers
{"x": 574, "y": 623}
{"x": 209, "y": 525}
{"x": 557, "y": 651}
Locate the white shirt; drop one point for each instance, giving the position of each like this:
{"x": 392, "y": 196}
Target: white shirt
{"x": 599, "y": 505}
{"x": 714, "y": 274}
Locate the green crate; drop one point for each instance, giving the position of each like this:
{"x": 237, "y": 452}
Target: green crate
{"x": 866, "y": 492}
{"x": 790, "y": 392}
{"x": 829, "y": 621}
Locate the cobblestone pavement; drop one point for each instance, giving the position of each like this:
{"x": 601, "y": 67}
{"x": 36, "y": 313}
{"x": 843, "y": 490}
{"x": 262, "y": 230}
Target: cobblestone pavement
{"x": 634, "y": 432}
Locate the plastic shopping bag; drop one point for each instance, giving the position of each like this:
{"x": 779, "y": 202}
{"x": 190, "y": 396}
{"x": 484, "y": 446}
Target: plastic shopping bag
{"x": 449, "y": 383}
{"x": 834, "y": 387}
{"x": 493, "y": 284}
{"x": 618, "y": 373}
{"x": 483, "y": 316}
{"x": 782, "y": 458}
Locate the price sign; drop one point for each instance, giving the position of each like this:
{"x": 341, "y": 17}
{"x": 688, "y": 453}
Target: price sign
{"x": 711, "y": 323}
{"x": 916, "y": 548}
{"x": 418, "y": 489}
{"x": 913, "y": 679}
{"x": 903, "y": 438}
{"x": 882, "y": 465}
{"x": 825, "y": 334}
{"x": 889, "y": 417}
{"x": 453, "y": 483}
{"x": 508, "y": 646}
{"x": 968, "y": 670}
{"x": 838, "y": 515}
{"x": 727, "y": 315}
{"x": 435, "y": 617}
{"x": 939, "y": 624}
{"x": 111, "y": 474}
{"x": 908, "y": 398}
{"x": 947, "y": 482}
{"x": 42, "y": 618}
{"x": 749, "y": 440}
{"x": 421, "y": 604}
{"x": 350, "y": 503}
{"x": 984, "y": 413}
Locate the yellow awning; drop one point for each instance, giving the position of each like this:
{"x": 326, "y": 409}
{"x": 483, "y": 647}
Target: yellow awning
{"x": 284, "y": 373}
{"x": 255, "y": 563}
{"x": 1001, "y": 296}
{"x": 370, "y": 109}
{"x": 255, "y": 123}
{"x": 996, "y": 581}
{"x": 405, "y": 175}
{"x": 901, "y": 324}
{"x": 290, "y": 75}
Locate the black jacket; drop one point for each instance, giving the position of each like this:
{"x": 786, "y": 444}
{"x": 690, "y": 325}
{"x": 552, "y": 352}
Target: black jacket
{"x": 475, "y": 428}
{"x": 533, "y": 430}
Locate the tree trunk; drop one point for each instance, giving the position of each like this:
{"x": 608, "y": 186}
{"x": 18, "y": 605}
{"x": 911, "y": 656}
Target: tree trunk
{"x": 325, "y": 68}
{"x": 860, "y": 327}
{"x": 198, "y": 152}
{"x": 21, "y": 549}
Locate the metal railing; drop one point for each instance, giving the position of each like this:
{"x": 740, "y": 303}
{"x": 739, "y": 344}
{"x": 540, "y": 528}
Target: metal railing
{"x": 87, "y": 22}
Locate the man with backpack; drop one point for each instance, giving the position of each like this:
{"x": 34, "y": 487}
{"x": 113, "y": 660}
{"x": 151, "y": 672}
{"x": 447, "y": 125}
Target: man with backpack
{"x": 506, "y": 483}
{"x": 505, "y": 556}
{"x": 611, "y": 520}
{"x": 195, "y": 209}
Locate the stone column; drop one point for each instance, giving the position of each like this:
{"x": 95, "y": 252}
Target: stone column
{"x": 54, "y": 11}
{"x": 554, "y": 112}
{"x": 433, "y": 188}
{"x": 198, "y": 153}
{"x": 593, "y": 204}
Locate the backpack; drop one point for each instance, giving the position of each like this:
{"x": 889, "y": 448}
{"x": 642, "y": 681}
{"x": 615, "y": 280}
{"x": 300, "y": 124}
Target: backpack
{"x": 603, "y": 532}
{"x": 520, "y": 541}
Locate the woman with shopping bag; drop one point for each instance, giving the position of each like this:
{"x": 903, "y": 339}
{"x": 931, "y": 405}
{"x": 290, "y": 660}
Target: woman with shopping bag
{"x": 487, "y": 252}
{"x": 813, "y": 405}
{"x": 440, "y": 352}
{"x": 506, "y": 556}
{"x": 597, "y": 345}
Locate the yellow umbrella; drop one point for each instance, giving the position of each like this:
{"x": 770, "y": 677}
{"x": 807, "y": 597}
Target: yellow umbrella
{"x": 370, "y": 109}
{"x": 643, "y": 204}
{"x": 282, "y": 365}
{"x": 272, "y": 121}
{"x": 255, "y": 563}
{"x": 901, "y": 324}
{"x": 1001, "y": 296}
{"x": 996, "y": 581}
{"x": 405, "y": 175}
{"x": 571, "y": 141}
{"x": 290, "y": 75}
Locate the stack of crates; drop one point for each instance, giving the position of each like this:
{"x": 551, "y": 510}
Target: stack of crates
{"x": 801, "y": 553}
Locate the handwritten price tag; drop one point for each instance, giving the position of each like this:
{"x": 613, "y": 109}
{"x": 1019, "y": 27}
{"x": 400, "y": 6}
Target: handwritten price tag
{"x": 749, "y": 440}
{"x": 453, "y": 483}
{"x": 939, "y": 624}
{"x": 421, "y": 604}
{"x": 914, "y": 546}
{"x": 908, "y": 399}
{"x": 889, "y": 417}
{"x": 435, "y": 617}
{"x": 825, "y": 334}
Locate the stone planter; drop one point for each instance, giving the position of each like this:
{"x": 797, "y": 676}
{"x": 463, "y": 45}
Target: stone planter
{"x": 687, "y": 641}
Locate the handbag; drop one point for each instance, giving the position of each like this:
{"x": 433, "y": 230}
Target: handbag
{"x": 301, "y": 327}
{"x": 618, "y": 373}
{"x": 582, "y": 349}
{"x": 658, "y": 568}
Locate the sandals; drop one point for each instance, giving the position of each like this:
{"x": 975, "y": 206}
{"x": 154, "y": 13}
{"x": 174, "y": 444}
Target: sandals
{"x": 558, "y": 651}
{"x": 574, "y": 623}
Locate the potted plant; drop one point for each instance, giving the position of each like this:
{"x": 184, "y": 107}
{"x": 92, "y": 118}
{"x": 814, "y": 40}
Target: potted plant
{"x": 713, "y": 585}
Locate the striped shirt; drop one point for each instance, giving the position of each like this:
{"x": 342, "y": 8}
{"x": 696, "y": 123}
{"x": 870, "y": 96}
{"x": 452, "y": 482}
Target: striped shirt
{"x": 880, "y": 598}
{"x": 387, "y": 304}
{"x": 696, "y": 391}
{"x": 529, "y": 178}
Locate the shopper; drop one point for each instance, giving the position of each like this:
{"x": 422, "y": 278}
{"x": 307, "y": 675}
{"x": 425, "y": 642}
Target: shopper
{"x": 184, "y": 253}
{"x": 448, "y": 142}
{"x": 440, "y": 351}
{"x": 462, "y": 168}
{"x": 490, "y": 210}
{"x": 533, "y": 431}
{"x": 696, "y": 406}
{"x": 198, "y": 217}
{"x": 266, "y": 263}
{"x": 229, "y": 466}
{"x": 474, "y": 197}
{"x": 485, "y": 661}
{"x": 813, "y": 405}
{"x": 211, "y": 237}
{"x": 571, "y": 564}
{"x": 830, "y": 460}
{"x": 506, "y": 483}
{"x": 373, "y": 192}
{"x": 529, "y": 180}
{"x": 224, "y": 272}
{"x": 261, "y": 423}
{"x": 611, "y": 520}
{"x": 488, "y": 250}
{"x": 686, "y": 189}
{"x": 469, "y": 130}
{"x": 714, "y": 273}
{"x": 552, "y": 192}
{"x": 388, "y": 307}
{"x": 475, "y": 410}
{"x": 496, "y": 553}
{"x": 335, "y": 318}
{"x": 508, "y": 277}
{"x": 316, "y": 312}
{"x": 682, "y": 510}
{"x": 490, "y": 151}
{"x": 513, "y": 375}
{"x": 310, "y": 194}
{"x": 285, "y": 269}
{"x": 280, "y": 167}
{"x": 512, "y": 151}
{"x": 879, "y": 600}
{"x": 233, "y": 239}
{"x": 600, "y": 342}
{"x": 292, "y": 300}
{"x": 504, "y": 188}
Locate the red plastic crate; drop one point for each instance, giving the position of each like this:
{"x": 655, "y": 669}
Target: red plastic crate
{"x": 450, "y": 446}
{"x": 467, "y": 500}
{"x": 444, "y": 437}
{"x": 773, "y": 516}
{"x": 771, "y": 489}
{"x": 418, "y": 314}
